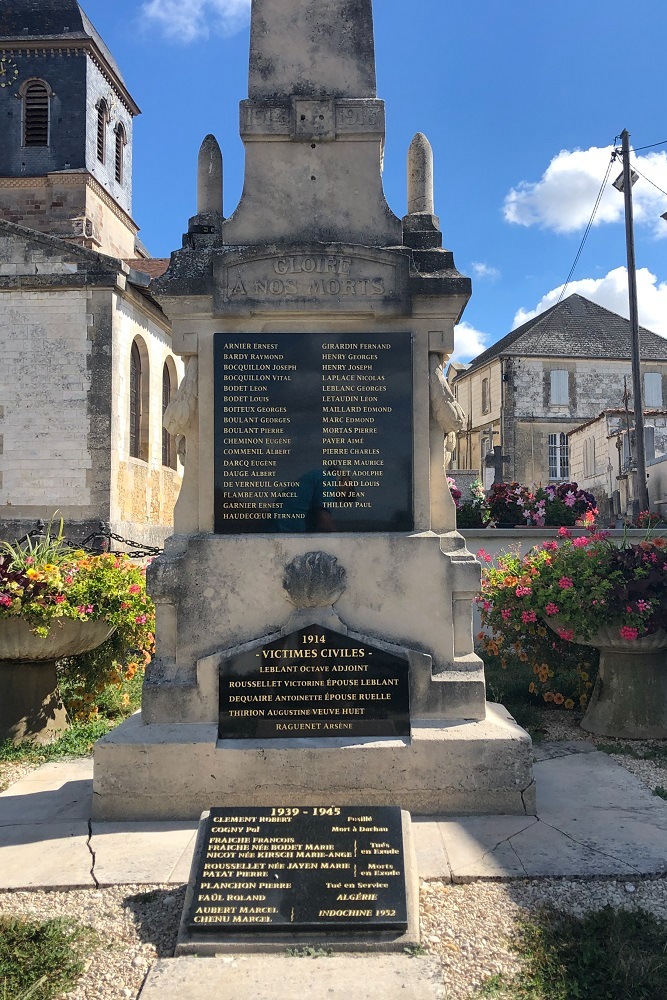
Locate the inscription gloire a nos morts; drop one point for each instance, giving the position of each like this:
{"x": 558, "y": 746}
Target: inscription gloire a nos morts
{"x": 313, "y": 433}
{"x": 310, "y": 276}
{"x": 314, "y": 683}
{"x": 327, "y": 868}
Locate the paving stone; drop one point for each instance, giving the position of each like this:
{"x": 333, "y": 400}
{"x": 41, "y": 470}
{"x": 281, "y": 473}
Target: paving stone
{"x": 142, "y": 852}
{"x": 57, "y": 792}
{"x": 262, "y": 977}
{"x": 46, "y": 855}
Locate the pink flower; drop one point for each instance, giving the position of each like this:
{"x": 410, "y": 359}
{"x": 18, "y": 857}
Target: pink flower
{"x": 523, "y": 591}
{"x": 505, "y": 614}
{"x": 85, "y": 609}
{"x": 480, "y": 555}
{"x": 644, "y": 605}
{"x": 134, "y": 589}
{"x": 629, "y": 633}
{"x": 569, "y": 499}
{"x": 5, "y": 600}
{"x": 550, "y": 546}
{"x": 564, "y": 533}
{"x": 566, "y": 633}
{"x": 486, "y": 605}
{"x": 60, "y": 598}
{"x": 551, "y": 608}
{"x": 580, "y": 543}
{"x": 140, "y": 619}
{"x": 565, "y": 583}
{"x": 528, "y": 616}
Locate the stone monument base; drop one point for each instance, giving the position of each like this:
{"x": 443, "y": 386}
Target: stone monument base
{"x": 176, "y": 772}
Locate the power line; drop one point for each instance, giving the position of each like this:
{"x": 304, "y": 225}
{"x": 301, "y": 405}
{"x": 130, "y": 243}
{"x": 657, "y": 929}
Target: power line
{"x": 588, "y": 228}
{"x": 656, "y": 186}
{"x": 651, "y": 146}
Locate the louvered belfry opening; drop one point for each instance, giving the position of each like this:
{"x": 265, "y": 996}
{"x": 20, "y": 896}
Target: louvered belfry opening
{"x": 102, "y": 119}
{"x": 120, "y": 146}
{"x": 36, "y": 115}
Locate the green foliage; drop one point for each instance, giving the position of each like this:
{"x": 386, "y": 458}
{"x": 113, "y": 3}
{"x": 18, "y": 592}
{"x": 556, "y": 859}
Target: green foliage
{"x": 40, "y": 961}
{"x": 106, "y": 681}
{"x": 76, "y": 742}
{"x": 608, "y": 954}
{"x": 660, "y": 791}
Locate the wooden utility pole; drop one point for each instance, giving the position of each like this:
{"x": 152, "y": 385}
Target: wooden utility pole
{"x": 640, "y": 491}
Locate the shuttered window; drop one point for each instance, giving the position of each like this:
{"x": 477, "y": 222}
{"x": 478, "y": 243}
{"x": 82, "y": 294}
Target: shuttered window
{"x": 560, "y": 393}
{"x": 486, "y": 396}
{"x": 653, "y": 389}
{"x": 36, "y": 114}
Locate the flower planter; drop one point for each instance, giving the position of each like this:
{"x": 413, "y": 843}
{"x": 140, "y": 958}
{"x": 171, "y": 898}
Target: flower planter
{"x": 30, "y": 707}
{"x": 629, "y": 700}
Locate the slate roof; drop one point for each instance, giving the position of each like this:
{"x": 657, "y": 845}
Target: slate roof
{"x": 58, "y": 19}
{"x": 154, "y": 267}
{"x": 575, "y": 328}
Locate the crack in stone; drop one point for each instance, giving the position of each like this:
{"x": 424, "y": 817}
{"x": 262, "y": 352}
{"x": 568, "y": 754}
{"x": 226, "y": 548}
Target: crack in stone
{"x": 523, "y": 801}
{"x": 506, "y": 840}
{"x": 595, "y": 850}
{"x": 92, "y": 853}
{"x": 516, "y": 853}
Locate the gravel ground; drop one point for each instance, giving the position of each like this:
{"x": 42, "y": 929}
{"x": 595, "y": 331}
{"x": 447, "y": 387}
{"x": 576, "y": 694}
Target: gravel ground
{"x": 469, "y": 928}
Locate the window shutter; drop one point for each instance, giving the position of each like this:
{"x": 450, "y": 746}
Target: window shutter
{"x": 36, "y": 115}
{"x": 653, "y": 389}
{"x": 560, "y": 393}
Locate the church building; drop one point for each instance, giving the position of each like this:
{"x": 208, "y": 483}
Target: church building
{"x": 88, "y": 368}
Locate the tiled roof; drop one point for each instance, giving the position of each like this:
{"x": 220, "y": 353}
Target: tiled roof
{"x": 575, "y": 328}
{"x": 59, "y": 19}
{"x": 154, "y": 267}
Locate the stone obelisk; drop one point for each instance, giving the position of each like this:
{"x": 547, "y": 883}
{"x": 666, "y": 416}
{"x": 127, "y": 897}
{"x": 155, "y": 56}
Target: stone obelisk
{"x": 315, "y": 512}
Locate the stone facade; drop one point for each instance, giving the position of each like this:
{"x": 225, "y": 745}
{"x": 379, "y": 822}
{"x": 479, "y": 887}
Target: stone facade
{"x": 530, "y": 391}
{"x": 69, "y": 318}
{"x": 600, "y": 452}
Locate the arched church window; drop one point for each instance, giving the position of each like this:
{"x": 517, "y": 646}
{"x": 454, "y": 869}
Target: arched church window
{"x": 36, "y": 114}
{"x": 135, "y": 401}
{"x": 168, "y": 449}
{"x": 121, "y": 140}
{"x": 102, "y": 121}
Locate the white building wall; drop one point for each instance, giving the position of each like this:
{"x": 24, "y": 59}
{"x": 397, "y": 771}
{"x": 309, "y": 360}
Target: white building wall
{"x": 44, "y": 381}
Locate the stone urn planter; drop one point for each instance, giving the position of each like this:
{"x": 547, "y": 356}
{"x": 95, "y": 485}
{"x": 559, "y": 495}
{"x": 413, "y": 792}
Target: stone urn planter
{"x": 30, "y": 707}
{"x": 629, "y": 700}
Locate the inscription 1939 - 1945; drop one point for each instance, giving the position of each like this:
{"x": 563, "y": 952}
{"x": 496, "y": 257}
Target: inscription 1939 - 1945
{"x": 313, "y": 433}
{"x": 307, "y": 868}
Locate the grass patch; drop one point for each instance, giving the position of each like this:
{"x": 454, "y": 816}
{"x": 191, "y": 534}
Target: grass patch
{"x": 76, "y": 742}
{"x": 608, "y": 954}
{"x": 39, "y": 961}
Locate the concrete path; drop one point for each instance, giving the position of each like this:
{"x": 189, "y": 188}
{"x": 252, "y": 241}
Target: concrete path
{"x": 594, "y": 819}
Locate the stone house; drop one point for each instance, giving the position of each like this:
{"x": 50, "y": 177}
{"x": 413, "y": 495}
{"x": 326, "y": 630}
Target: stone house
{"x": 532, "y": 388}
{"x": 601, "y": 457}
{"x": 88, "y": 367}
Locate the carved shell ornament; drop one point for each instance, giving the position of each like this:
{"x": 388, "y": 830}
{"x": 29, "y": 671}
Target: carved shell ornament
{"x": 314, "y": 580}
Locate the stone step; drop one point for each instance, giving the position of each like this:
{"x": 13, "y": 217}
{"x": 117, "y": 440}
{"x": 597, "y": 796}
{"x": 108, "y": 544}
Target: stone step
{"x": 276, "y": 977}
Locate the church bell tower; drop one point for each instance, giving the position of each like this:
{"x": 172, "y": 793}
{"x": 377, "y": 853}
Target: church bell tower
{"x": 66, "y": 119}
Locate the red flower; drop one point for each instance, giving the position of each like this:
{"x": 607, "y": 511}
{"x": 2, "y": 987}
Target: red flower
{"x": 565, "y": 583}
{"x": 629, "y": 633}
{"x": 551, "y": 608}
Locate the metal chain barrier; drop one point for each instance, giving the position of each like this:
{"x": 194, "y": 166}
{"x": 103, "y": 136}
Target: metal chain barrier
{"x": 98, "y": 542}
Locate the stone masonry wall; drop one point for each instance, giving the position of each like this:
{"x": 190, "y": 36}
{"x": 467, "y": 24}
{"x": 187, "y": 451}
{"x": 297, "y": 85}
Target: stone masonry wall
{"x": 44, "y": 382}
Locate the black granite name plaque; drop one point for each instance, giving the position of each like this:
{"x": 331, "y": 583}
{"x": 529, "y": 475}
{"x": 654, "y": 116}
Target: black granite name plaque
{"x": 313, "y": 868}
{"x": 314, "y": 683}
{"x": 313, "y": 433}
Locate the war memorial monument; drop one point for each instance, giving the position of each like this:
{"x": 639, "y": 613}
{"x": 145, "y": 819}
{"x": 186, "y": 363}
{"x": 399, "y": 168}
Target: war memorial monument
{"x": 315, "y": 660}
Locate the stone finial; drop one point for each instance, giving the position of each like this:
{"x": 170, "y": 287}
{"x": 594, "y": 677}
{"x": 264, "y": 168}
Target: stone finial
{"x": 420, "y": 176}
{"x": 314, "y": 580}
{"x": 310, "y": 48}
{"x": 209, "y": 177}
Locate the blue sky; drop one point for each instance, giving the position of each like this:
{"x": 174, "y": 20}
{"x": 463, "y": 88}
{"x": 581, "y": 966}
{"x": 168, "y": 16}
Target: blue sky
{"x": 521, "y": 101}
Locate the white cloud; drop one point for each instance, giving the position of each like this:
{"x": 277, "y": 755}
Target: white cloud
{"x": 188, "y": 20}
{"x": 468, "y": 342}
{"x": 612, "y": 293}
{"x": 482, "y": 270}
{"x": 563, "y": 198}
